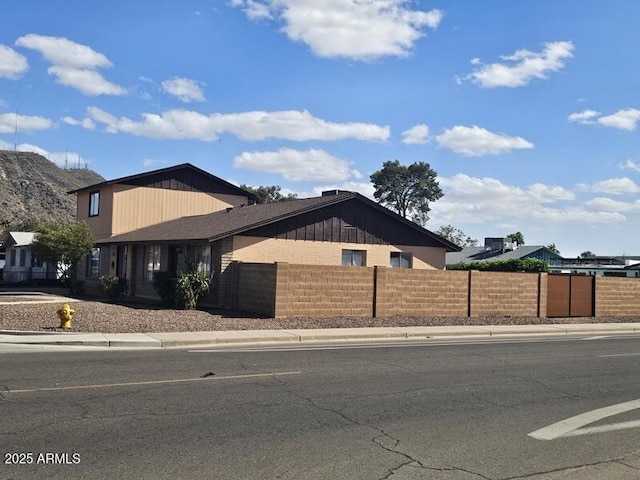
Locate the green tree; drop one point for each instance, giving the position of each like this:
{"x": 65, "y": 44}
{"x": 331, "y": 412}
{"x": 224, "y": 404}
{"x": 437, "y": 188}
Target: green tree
{"x": 269, "y": 194}
{"x": 457, "y": 236}
{"x": 587, "y": 254}
{"x": 516, "y": 237}
{"x": 407, "y": 189}
{"x": 63, "y": 245}
{"x": 553, "y": 248}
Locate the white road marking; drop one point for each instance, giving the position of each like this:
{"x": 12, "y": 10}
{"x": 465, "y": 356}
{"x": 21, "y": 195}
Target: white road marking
{"x": 153, "y": 382}
{"x": 596, "y": 338}
{"x": 570, "y": 425}
{"x": 604, "y": 428}
{"x": 405, "y": 344}
{"x": 619, "y": 355}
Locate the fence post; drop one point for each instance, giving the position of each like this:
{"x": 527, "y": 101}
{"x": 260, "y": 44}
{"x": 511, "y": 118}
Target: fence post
{"x": 375, "y": 292}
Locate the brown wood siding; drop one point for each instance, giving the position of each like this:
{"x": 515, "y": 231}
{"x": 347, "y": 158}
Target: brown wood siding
{"x": 348, "y": 222}
{"x": 137, "y": 207}
{"x": 183, "y": 180}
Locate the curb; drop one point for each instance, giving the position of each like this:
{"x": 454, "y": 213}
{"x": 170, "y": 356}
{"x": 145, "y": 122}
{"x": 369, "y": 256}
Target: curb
{"x": 301, "y": 336}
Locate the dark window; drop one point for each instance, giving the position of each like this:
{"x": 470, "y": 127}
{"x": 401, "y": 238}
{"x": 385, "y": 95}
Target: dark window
{"x": 94, "y": 204}
{"x": 12, "y": 258}
{"x": 401, "y": 260}
{"x": 23, "y": 257}
{"x": 152, "y": 260}
{"x": 93, "y": 263}
{"x": 353, "y": 258}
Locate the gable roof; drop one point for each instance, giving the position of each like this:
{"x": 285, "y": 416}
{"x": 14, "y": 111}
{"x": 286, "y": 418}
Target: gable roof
{"x": 19, "y": 239}
{"x": 477, "y": 254}
{"x": 218, "y": 225}
{"x": 184, "y": 167}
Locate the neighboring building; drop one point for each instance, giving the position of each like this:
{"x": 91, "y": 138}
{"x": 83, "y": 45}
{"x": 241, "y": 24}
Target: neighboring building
{"x": 20, "y": 262}
{"x": 503, "y": 249}
{"x": 153, "y": 222}
{"x": 601, "y": 266}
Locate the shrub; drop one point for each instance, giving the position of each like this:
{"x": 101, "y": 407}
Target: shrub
{"x": 165, "y": 285}
{"x": 190, "y": 288}
{"x": 183, "y": 292}
{"x": 512, "y": 265}
{"x": 114, "y": 287}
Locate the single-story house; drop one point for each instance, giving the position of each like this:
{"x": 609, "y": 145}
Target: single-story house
{"x": 337, "y": 228}
{"x": 21, "y": 264}
{"x": 497, "y": 248}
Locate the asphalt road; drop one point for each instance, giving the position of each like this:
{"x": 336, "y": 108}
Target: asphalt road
{"x": 448, "y": 410}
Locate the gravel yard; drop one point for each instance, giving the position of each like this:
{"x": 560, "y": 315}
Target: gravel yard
{"x": 103, "y": 317}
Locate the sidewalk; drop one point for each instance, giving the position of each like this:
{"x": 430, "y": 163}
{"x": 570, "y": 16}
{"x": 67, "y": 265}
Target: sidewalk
{"x": 301, "y": 336}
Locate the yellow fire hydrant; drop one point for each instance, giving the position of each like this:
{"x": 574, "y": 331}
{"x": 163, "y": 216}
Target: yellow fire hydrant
{"x": 66, "y": 315}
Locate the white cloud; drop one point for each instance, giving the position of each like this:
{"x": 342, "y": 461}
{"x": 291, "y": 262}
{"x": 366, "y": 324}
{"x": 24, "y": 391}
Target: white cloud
{"x": 521, "y": 67}
{"x": 73, "y": 64}
{"x": 12, "y": 64}
{"x": 631, "y": 165}
{"x": 616, "y": 186}
{"x": 62, "y": 159}
{"x": 475, "y": 141}
{"x": 184, "y": 89}
{"x": 609, "y": 205}
{"x": 355, "y": 29}
{"x": 585, "y": 117}
{"x": 85, "y": 122}
{"x": 487, "y": 200}
{"x": 418, "y": 134}
{"x": 256, "y": 125}
{"x": 89, "y": 82}
{"x": 623, "y": 119}
{"x": 25, "y": 122}
{"x": 295, "y": 165}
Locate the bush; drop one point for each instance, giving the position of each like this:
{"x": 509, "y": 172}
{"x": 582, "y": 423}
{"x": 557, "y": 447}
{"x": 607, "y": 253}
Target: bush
{"x": 114, "y": 287}
{"x": 191, "y": 287}
{"x": 512, "y": 265}
{"x": 165, "y": 285}
{"x": 75, "y": 287}
{"x": 183, "y": 292}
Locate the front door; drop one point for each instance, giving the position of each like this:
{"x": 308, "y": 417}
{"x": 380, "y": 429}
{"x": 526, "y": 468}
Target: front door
{"x": 121, "y": 263}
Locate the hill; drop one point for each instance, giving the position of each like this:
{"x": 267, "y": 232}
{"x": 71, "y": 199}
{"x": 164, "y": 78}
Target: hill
{"x": 33, "y": 187}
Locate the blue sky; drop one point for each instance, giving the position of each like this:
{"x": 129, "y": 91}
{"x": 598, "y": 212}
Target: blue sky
{"x": 527, "y": 110}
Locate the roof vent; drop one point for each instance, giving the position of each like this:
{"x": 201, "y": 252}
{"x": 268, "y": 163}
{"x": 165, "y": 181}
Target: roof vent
{"x": 330, "y": 193}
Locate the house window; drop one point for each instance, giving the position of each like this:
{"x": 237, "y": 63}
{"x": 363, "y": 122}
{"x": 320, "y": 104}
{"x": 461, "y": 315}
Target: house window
{"x": 12, "y": 259}
{"x": 401, "y": 260}
{"x": 94, "y": 204}
{"x": 35, "y": 261}
{"x": 152, "y": 258}
{"x": 23, "y": 257}
{"x": 93, "y": 263}
{"x": 200, "y": 255}
{"x": 353, "y": 258}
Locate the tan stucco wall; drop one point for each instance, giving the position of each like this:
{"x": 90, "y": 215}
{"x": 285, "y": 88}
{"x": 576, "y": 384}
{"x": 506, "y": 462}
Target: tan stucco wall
{"x": 100, "y": 225}
{"x": 253, "y": 249}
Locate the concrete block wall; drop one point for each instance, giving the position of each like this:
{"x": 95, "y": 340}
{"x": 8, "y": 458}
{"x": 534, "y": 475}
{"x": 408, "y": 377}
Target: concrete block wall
{"x": 283, "y": 289}
{"x": 504, "y": 294}
{"x": 321, "y": 290}
{"x": 421, "y": 292}
{"x": 256, "y": 288}
{"x": 619, "y": 297}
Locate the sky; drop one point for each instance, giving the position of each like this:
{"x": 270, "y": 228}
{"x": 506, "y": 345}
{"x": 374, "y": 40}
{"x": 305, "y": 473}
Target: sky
{"x": 528, "y": 111}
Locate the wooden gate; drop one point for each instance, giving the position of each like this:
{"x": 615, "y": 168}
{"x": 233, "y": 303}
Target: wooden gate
{"x": 570, "y": 296}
